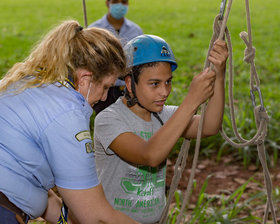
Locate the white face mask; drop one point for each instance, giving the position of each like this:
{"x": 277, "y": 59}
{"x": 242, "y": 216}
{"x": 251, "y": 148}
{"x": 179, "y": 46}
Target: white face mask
{"x": 88, "y": 92}
{"x": 89, "y": 88}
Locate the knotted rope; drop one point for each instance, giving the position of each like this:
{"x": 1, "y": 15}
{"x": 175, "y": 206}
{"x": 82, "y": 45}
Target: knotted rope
{"x": 261, "y": 119}
{"x": 219, "y": 30}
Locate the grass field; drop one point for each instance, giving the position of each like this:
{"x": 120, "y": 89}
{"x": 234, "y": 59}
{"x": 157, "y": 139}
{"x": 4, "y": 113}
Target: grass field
{"x": 187, "y": 26}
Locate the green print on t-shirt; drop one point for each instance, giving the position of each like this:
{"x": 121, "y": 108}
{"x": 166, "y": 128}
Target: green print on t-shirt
{"x": 145, "y": 183}
{"x": 146, "y": 135}
{"x": 145, "y": 180}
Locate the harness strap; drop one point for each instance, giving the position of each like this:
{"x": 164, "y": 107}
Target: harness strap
{"x": 63, "y": 214}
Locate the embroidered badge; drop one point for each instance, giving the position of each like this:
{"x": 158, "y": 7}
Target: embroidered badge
{"x": 83, "y": 135}
{"x": 89, "y": 147}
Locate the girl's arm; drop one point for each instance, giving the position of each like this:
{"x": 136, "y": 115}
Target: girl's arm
{"x": 134, "y": 149}
{"x": 184, "y": 122}
{"x": 215, "y": 107}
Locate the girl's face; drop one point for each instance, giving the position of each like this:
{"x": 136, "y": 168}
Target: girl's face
{"x": 154, "y": 86}
{"x": 94, "y": 91}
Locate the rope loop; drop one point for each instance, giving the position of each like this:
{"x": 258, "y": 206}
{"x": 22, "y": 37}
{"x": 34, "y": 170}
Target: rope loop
{"x": 217, "y": 26}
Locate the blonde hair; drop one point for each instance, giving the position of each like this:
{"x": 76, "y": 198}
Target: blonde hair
{"x": 63, "y": 50}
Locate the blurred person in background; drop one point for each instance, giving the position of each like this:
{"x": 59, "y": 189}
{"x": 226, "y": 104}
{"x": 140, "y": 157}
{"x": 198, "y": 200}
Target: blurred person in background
{"x": 124, "y": 29}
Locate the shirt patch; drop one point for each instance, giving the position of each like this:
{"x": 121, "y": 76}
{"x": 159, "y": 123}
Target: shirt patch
{"x": 89, "y": 147}
{"x": 83, "y": 135}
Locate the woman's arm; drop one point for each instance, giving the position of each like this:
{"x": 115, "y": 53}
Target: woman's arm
{"x": 90, "y": 206}
{"x": 52, "y": 212}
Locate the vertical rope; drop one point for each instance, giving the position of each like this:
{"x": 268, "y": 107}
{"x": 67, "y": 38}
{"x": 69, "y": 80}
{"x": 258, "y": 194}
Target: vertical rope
{"x": 261, "y": 119}
{"x": 201, "y": 122}
{"x": 183, "y": 154}
{"x": 260, "y": 144}
{"x": 178, "y": 171}
{"x": 85, "y": 14}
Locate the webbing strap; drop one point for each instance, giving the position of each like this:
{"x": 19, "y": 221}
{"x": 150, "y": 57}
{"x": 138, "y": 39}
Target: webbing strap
{"x": 63, "y": 214}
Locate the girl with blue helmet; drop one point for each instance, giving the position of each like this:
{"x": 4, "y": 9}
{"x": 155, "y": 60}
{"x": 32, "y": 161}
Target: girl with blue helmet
{"x": 134, "y": 136}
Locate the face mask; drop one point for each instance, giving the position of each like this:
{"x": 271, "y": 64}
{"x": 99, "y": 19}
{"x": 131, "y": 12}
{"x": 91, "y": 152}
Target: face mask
{"x": 88, "y": 91}
{"x": 118, "y": 10}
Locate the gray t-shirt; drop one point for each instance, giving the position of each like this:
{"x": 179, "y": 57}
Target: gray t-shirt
{"x": 138, "y": 191}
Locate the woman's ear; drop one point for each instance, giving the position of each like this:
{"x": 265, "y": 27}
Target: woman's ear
{"x": 83, "y": 76}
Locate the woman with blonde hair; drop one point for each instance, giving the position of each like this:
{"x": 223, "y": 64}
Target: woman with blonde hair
{"x": 45, "y": 107}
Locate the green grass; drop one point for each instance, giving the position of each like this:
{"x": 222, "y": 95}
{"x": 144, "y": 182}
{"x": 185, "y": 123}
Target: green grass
{"x": 187, "y": 26}
{"x": 226, "y": 208}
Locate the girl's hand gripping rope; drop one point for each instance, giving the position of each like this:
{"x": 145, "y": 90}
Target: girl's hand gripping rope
{"x": 218, "y": 57}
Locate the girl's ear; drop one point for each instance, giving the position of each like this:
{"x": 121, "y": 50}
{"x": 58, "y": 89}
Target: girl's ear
{"x": 128, "y": 83}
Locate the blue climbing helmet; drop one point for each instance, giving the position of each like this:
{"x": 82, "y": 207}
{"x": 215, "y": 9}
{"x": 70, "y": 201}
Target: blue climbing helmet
{"x": 149, "y": 48}
{"x": 146, "y": 49}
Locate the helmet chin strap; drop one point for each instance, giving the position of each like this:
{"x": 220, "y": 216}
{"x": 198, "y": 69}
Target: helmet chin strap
{"x": 131, "y": 101}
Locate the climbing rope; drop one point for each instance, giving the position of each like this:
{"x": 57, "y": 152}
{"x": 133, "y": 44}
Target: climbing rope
{"x": 85, "y": 14}
{"x": 261, "y": 119}
{"x": 219, "y": 30}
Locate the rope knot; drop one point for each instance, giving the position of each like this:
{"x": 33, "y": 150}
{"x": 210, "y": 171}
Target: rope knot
{"x": 260, "y": 140}
{"x": 249, "y": 50}
{"x": 261, "y": 115}
{"x": 249, "y": 55}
